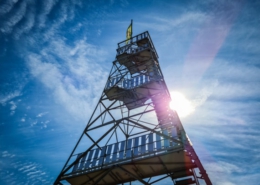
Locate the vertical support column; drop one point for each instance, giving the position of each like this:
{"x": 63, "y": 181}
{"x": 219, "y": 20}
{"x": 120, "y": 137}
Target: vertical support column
{"x": 125, "y": 84}
{"x": 95, "y": 157}
{"x": 137, "y": 81}
{"x": 101, "y": 158}
{"x": 158, "y": 142}
{"x": 136, "y": 146}
{"x": 89, "y": 159}
{"x": 166, "y": 140}
{"x": 129, "y": 148}
{"x": 115, "y": 151}
{"x": 194, "y": 156}
{"x": 82, "y": 162}
{"x": 143, "y": 138}
{"x": 150, "y": 144}
{"x": 108, "y": 154}
{"x": 122, "y": 150}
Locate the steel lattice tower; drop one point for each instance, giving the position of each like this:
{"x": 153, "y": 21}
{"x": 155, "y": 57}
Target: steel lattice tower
{"x": 132, "y": 134}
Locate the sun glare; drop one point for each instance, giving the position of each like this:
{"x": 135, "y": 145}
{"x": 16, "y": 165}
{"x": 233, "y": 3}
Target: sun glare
{"x": 180, "y": 104}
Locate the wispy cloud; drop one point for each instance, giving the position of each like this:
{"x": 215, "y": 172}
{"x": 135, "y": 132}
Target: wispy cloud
{"x": 72, "y": 73}
{"x": 7, "y": 6}
{"x": 7, "y": 154}
{"x": 5, "y": 98}
{"x": 28, "y": 24}
{"x": 14, "y": 18}
{"x": 14, "y": 171}
{"x": 223, "y": 170}
{"x": 47, "y": 6}
{"x": 182, "y": 21}
{"x": 208, "y": 41}
{"x": 13, "y": 107}
{"x": 20, "y": 17}
{"x": 170, "y": 26}
{"x": 42, "y": 114}
{"x": 205, "y": 93}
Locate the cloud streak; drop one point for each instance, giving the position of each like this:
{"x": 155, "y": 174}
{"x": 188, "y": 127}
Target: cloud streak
{"x": 71, "y": 73}
{"x": 7, "y": 6}
{"x": 5, "y": 98}
{"x": 19, "y": 17}
{"x": 209, "y": 40}
{"x": 14, "y": 171}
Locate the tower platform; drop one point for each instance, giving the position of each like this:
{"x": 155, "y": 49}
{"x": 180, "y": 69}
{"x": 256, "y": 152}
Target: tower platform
{"x": 141, "y": 157}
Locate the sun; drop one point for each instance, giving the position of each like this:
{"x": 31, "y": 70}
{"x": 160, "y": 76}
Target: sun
{"x": 181, "y": 104}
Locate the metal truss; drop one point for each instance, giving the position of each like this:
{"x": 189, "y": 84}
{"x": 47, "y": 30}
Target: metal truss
{"x": 133, "y": 135}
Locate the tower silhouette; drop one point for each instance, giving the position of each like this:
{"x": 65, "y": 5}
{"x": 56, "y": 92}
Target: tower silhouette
{"x": 133, "y": 136}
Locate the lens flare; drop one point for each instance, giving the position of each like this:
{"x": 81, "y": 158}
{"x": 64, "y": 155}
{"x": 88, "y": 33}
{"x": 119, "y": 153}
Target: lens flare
{"x": 181, "y": 104}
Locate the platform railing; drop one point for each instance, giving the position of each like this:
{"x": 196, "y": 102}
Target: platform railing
{"x": 133, "y": 82}
{"x": 135, "y": 39}
{"x": 132, "y": 49}
{"x": 127, "y": 47}
{"x": 134, "y": 148}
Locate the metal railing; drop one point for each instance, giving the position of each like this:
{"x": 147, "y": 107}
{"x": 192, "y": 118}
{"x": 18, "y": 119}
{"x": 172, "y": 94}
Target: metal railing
{"x": 130, "y": 46}
{"x": 135, "y": 148}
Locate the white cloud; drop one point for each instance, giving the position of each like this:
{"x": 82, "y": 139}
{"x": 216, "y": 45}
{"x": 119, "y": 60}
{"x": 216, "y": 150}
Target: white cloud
{"x": 7, "y": 6}
{"x": 237, "y": 80}
{"x": 12, "y": 108}
{"x": 26, "y": 172}
{"x": 64, "y": 13}
{"x": 204, "y": 94}
{"x": 182, "y": 20}
{"x": 34, "y": 123}
{"x": 5, "y": 98}
{"x": 74, "y": 78}
{"x": 7, "y": 154}
{"x": 44, "y": 124}
{"x": 99, "y": 32}
{"x": 27, "y": 15}
{"x": 4, "y": 153}
{"x": 47, "y": 7}
{"x": 221, "y": 169}
{"x": 223, "y": 173}
{"x": 26, "y": 26}
{"x": 42, "y": 114}
{"x": 14, "y": 18}
{"x": 229, "y": 168}
{"x": 13, "y": 105}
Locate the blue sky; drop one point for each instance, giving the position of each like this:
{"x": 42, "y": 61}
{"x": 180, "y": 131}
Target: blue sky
{"x": 55, "y": 57}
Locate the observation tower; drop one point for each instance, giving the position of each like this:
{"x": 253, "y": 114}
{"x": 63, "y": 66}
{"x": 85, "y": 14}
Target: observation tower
{"x": 133, "y": 137}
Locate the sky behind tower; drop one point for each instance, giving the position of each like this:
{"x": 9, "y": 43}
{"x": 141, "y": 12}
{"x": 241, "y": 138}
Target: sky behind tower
{"x": 55, "y": 57}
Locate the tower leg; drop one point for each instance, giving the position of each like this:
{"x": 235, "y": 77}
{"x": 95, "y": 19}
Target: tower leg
{"x": 203, "y": 172}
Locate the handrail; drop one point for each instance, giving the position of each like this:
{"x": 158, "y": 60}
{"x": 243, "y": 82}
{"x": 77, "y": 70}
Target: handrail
{"x": 139, "y": 147}
{"x": 135, "y": 39}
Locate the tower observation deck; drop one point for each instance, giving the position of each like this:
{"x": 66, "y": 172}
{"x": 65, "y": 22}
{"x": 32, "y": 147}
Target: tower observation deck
{"x": 133, "y": 136}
